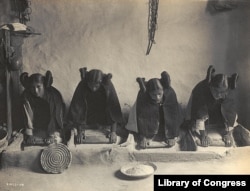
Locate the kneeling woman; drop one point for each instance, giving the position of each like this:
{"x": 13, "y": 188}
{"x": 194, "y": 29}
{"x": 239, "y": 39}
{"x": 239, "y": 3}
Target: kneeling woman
{"x": 212, "y": 108}
{"x": 94, "y": 106}
{"x": 43, "y": 109}
{"x": 155, "y": 114}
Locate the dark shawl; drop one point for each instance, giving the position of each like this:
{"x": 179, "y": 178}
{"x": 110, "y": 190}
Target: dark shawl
{"x": 219, "y": 111}
{"x": 56, "y": 107}
{"x": 78, "y": 108}
{"x": 151, "y": 115}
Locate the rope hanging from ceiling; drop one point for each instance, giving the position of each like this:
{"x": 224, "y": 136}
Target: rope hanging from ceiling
{"x": 152, "y": 23}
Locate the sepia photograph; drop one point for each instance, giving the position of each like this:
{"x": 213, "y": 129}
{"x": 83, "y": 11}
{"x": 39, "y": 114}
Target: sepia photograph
{"x": 124, "y": 95}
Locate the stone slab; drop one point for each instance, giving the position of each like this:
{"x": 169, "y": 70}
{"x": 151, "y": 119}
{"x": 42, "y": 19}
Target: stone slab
{"x": 107, "y": 154}
{"x": 29, "y": 157}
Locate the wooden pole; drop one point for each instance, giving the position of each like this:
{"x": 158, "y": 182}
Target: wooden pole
{"x": 8, "y": 84}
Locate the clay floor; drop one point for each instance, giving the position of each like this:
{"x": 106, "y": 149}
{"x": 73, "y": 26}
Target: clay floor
{"x": 93, "y": 172}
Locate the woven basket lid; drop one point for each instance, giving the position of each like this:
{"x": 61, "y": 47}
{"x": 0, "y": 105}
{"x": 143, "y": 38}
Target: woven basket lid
{"x": 56, "y": 158}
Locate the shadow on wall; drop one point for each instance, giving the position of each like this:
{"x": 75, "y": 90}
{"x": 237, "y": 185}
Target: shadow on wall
{"x": 237, "y": 57}
{"x": 231, "y": 47}
{"x": 6, "y": 15}
{"x": 218, "y": 6}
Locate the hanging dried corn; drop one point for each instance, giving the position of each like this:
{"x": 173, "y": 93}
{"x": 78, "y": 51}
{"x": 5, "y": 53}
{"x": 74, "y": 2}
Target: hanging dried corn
{"x": 152, "y": 23}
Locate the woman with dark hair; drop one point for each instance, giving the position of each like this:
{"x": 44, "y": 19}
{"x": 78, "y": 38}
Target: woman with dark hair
{"x": 155, "y": 115}
{"x": 43, "y": 109}
{"x": 212, "y": 108}
{"x": 94, "y": 106}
